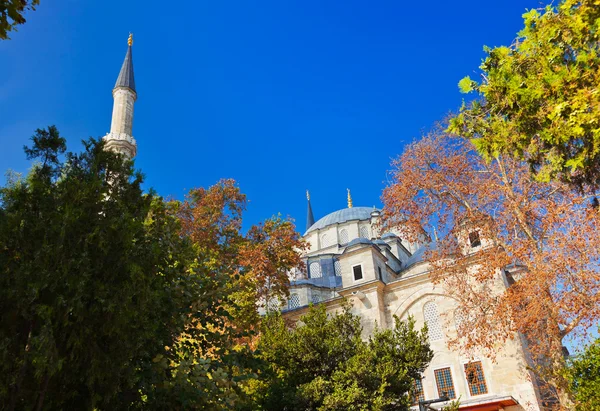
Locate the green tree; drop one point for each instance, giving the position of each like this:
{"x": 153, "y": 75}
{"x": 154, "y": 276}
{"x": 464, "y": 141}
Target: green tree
{"x": 324, "y": 364}
{"x": 12, "y": 14}
{"x": 538, "y": 99}
{"x": 103, "y": 302}
{"x": 584, "y": 372}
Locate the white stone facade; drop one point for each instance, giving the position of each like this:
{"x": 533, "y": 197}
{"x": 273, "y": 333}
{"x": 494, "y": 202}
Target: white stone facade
{"x": 383, "y": 277}
{"x": 120, "y": 138}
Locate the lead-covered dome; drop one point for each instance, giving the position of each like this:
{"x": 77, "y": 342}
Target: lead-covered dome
{"x": 342, "y": 216}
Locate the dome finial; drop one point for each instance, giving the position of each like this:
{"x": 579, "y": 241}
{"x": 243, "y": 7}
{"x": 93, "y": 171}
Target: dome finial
{"x": 130, "y": 39}
{"x": 307, "y": 195}
{"x": 349, "y": 199}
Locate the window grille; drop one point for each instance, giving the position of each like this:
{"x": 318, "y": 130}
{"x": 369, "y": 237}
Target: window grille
{"x": 344, "y": 237}
{"x": 273, "y": 305}
{"x": 459, "y": 318}
{"x": 364, "y": 232}
{"x": 316, "y": 298}
{"x": 337, "y": 266}
{"x": 315, "y": 270}
{"x": 475, "y": 378}
{"x": 432, "y": 318}
{"x": 294, "y": 301}
{"x": 443, "y": 381}
{"x": 417, "y": 392}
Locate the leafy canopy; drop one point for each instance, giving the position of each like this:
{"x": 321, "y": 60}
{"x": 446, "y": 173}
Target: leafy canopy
{"x": 12, "y": 14}
{"x": 111, "y": 298}
{"x": 584, "y": 372}
{"x": 324, "y": 364}
{"x": 538, "y": 99}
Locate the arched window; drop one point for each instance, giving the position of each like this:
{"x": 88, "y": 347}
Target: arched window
{"x": 324, "y": 241}
{"x": 459, "y": 318}
{"x": 315, "y": 270}
{"x": 344, "y": 236}
{"x": 294, "y": 301}
{"x": 273, "y": 305}
{"x": 364, "y": 232}
{"x": 432, "y": 319}
{"x": 337, "y": 268}
{"x": 316, "y": 298}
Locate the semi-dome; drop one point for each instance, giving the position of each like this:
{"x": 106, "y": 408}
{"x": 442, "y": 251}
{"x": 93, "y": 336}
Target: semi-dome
{"x": 342, "y": 216}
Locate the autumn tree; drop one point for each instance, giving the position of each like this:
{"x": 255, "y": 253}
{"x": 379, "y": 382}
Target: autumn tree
{"x": 257, "y": 263}
{"x": 537, "y": 99}
{"x": 323, "y": 363}
{"x": 12, "y": 13}
{"x": 497, "y": 225}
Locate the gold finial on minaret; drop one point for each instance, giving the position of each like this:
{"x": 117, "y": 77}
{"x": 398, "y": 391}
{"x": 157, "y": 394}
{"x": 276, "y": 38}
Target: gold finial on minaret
{"x": 307, "y": 195}
{"x": 130, "y": 39}
{"x": 349, "y": 199}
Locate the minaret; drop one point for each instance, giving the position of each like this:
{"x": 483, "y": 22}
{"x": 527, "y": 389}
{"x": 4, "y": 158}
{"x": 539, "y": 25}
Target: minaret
{"x": 310, "y": 219}
{"x": 120, "y": 138}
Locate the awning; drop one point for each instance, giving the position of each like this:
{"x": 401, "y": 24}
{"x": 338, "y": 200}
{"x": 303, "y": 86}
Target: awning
{"x": 493, "y": 403}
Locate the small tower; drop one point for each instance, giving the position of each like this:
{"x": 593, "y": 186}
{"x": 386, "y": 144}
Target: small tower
{"x": 120, "y": 138}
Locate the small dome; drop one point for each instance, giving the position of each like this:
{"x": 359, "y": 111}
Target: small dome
{"x": 342, "y": 216}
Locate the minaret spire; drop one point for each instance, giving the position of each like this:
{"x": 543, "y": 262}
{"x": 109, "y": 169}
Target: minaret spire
{"x": 120, "y": 138}
{"x": 310, "y": 219}
{"x": 349, "y": 199}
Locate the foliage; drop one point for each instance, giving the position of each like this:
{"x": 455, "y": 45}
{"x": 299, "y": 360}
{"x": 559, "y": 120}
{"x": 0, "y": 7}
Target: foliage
{"x": 539, "y": 98}
{"x": 454, "y": 405}
{"x": 111, "y": 298}
{"x": 324, "y": 364}
{"x": 539, "y": 237}
{"x": 256, "y": 264}
{"x": 85, "y": 279}
{"x": 12, "y": 14}
{"x": 584, "y": 372}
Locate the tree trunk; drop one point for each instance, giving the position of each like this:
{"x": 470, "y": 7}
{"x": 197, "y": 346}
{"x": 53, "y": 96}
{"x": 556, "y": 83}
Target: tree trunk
{"x": 17, "y": 386}
{"x": 40, "y": 403}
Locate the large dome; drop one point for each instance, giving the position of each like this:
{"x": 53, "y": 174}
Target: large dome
{"x": 341, "y": 216}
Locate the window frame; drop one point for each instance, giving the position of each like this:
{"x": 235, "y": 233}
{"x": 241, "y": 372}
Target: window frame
{"x": 416, "y": 396}
{"x": 362, "y": 273}
{"x": 290, "y": 300}
{"x": 324, "y": 240}
{"x": 464, "y": 364}
{"x": 477, "y": 240}
{"x": 437, "y": 386}
{"x": 439, "y": 321}
{"x": 344, "y": 231}
{"x": 310, "y": 271}
{"x": 360, "y": 233}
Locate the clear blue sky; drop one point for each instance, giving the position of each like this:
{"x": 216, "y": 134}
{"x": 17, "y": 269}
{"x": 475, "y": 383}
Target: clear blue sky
{"x": 282, "y": 96}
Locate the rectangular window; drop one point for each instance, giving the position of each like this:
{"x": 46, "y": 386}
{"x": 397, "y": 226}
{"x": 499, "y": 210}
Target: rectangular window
{"x": 443, "y": 380}
{"x": 475, "y": 378}
{"x": 380, "y": 275}
{"x": 474, "y": 239}
{"x": 417, "y": 393}
{"x": 357, "y": 269}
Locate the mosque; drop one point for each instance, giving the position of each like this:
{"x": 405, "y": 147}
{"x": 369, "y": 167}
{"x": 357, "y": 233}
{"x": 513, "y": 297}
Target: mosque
{"x": 382, "y": 275}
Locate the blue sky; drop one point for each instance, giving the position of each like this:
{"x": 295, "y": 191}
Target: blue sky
{"x": 282, "y": 96}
